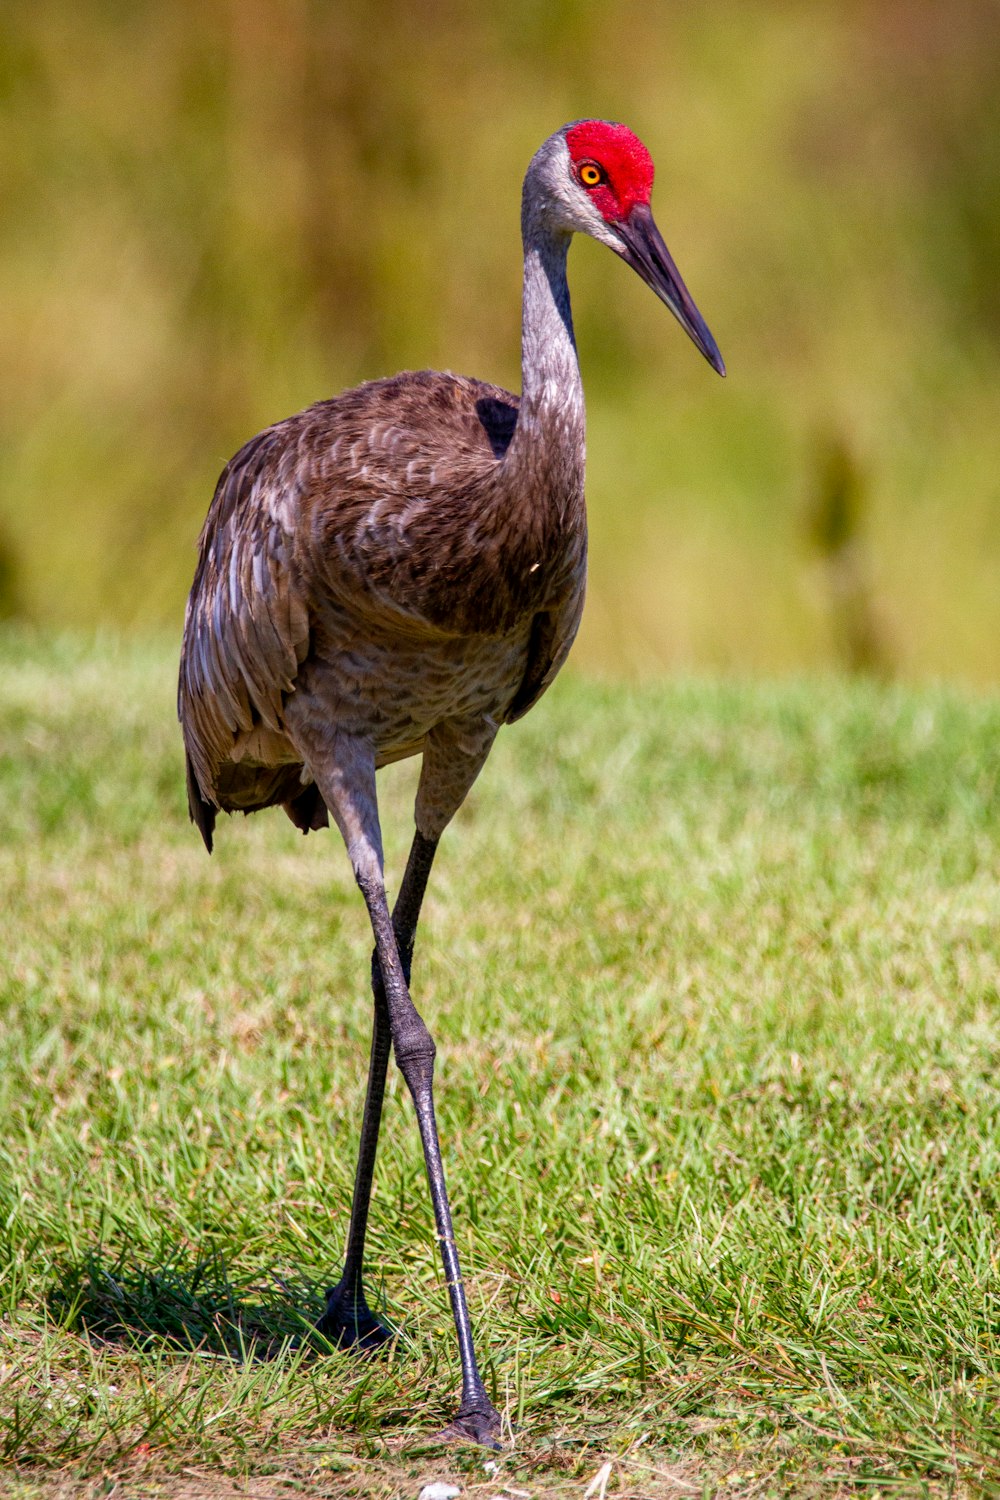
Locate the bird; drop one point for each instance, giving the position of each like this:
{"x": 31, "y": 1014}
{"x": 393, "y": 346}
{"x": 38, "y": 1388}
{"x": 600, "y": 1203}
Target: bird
{"x": 399, "y": 571}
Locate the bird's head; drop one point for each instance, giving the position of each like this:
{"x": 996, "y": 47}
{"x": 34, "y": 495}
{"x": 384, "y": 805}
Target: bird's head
{"x": 595, "y": 177}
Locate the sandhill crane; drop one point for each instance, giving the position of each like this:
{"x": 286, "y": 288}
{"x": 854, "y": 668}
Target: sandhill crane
{"x": 400, "y": 571}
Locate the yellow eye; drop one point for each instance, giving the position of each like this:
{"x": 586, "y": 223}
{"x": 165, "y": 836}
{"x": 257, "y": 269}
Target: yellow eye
{"x": 590, "y": 175}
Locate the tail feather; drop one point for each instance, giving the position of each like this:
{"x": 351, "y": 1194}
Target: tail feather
{"x": 249, "y": 791}
{"x": 202, "y": 813}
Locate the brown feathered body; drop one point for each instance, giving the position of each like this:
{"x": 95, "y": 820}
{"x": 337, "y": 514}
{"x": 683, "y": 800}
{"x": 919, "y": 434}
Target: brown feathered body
{"x": 391, "y": 561}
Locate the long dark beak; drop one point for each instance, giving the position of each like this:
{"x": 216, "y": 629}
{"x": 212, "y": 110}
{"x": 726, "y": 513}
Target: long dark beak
{"x": 643, "y": 248}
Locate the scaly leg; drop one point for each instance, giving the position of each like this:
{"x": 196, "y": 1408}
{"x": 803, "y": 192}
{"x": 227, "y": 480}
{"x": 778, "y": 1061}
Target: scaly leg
{"x": 415, "y": 1051}
{"x": 344, "y": 769}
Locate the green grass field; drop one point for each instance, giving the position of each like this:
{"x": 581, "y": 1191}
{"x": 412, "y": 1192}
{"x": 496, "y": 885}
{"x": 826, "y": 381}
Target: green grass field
{"x": 713, "y": 968}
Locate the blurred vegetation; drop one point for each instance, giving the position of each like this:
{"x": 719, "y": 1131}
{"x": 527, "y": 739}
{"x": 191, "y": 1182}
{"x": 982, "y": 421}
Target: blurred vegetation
{"x": 215, "y": 213}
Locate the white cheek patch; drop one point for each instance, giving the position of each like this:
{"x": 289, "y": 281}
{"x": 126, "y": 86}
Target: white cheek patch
{"x": 579, "y": 212}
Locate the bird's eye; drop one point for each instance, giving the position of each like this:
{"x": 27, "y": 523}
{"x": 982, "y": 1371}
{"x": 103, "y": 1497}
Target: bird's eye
{"x": 591, "y": 174}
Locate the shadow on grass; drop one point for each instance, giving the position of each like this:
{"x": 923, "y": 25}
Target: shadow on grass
{"x": 190, "y": 1302}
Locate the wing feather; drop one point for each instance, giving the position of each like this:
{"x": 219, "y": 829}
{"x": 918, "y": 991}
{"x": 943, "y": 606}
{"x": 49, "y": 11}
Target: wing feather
{"x": 263, "y": 591}
{"x": 247, "y": 627}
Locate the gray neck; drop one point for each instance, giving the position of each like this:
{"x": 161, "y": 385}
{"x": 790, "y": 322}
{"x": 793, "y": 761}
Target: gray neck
{"x": 550, "y": 432}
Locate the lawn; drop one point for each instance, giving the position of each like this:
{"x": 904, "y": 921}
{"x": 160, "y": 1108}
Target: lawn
{"x": 713, "y": 969}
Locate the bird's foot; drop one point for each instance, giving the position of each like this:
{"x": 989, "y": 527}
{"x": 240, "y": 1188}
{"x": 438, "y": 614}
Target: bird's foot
{"x": 474, "y": 1424}
{"x": 349, "y": 1322}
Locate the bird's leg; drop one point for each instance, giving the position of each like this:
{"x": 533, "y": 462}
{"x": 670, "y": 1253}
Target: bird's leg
{"x": 477, "y": 1418}
{"x": 406, "y": 912}
{"x": 348, "y": 1321}
{"x": 343, "y": 767}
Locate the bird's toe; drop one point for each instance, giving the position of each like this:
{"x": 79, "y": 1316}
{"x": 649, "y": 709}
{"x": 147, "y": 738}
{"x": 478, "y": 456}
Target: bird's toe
{"x": 478, "y": 1424}
{"x": 350, "y": 1324}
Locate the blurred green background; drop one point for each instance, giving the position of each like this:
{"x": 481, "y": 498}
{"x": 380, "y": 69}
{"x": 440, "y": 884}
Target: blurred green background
{"x": 214, "y": 213}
